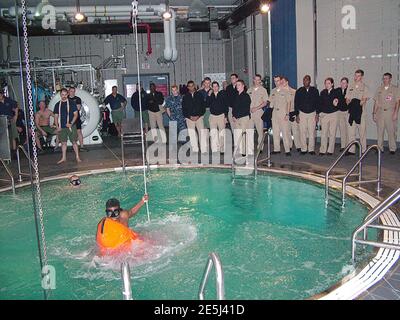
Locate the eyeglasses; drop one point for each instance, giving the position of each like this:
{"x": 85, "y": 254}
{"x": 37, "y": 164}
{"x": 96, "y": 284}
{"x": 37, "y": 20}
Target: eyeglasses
{"x": 113, "y": 213}
{"x": 75, "y": 183}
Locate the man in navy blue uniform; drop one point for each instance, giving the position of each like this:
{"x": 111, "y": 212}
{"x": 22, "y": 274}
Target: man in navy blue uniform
{"x": 9, "y": 108}
{"x": 117, "y": 104}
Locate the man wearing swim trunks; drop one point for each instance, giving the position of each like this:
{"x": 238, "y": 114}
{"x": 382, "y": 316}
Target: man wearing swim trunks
{"x": 78, "y": 102}
{"x": 42, "y": 122}
{"x": 66, "y": 114}
{"x": 114, "y": 210}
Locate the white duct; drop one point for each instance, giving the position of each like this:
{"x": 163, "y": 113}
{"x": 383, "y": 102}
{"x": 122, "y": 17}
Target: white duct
{"x": 173, "y": 36}
{"x": 167, "y": 39}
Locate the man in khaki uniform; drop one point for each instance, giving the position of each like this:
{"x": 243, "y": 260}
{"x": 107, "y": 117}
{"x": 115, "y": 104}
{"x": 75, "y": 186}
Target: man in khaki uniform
{"x": 280, "y": 101}
{"x": 259, "y": 98}
{"x": 294, "y": 128}
{"x": 358, "y": 90}
{"x": 385, "y": 112}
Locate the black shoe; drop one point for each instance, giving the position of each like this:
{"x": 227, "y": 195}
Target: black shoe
{"x": 312, "y": 153}
{"x": 299, "y": 150}
{"x": 330, "y": 154}
{"x": 392, "y": 152}
{"x": 288, "y": 154}
{"x": 322, "y": 154}
{"x": 350, "y": 153}
{"x": 342, "y": 149}
{"x": 275, "y": 152}
{"x": 303, "y": 153}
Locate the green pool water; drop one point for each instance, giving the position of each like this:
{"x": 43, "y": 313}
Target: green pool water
{"x": 275, "y": 237}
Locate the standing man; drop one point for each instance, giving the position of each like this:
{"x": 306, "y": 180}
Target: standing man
{"x": 241, "y": 119}
{"x": 385, "y": 112}
{"x": 205, "y": 92}
{"x": 343, "y": 114}
{"x": 280, "y": 102}
{"x": 78, "y": 102}
{"x": 328, "y": 115}
{"x": 259, "y": 97}
{"x": 9, "y": 108}
{"x": 231, "y": 92}
{"x": 194, "y": 108}
{"x": 305, "y": 103}
{"x": 219, "y": 106}
{"x": 356, "y": 97}
{"x": 155, "y": 99}
{"x": 136, "y": 107}
{"x": 65, "y": 116}
{"x": 117, "y": 104}
{"x": 294, "y": 128}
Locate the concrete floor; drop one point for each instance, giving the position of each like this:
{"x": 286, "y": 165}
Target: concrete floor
{"x": 108, "y": 155}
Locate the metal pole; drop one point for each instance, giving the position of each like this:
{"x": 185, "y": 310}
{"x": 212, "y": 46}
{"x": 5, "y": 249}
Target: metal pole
{"x": 270, "y": 51}
{"x": 19, "y": 166}
{"x": 126, "y": 278}
{"x": 379, "y": 168}
{"x": 269, "y": 150}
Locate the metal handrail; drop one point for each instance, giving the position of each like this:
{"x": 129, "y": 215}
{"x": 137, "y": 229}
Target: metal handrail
{"x": 378, "y": 179}
{"x": 20, "y": 173}
{"x": 260, "y": 147}
{"x": 9, "y": 174}
{"x": 371, "y": 217}
{"x": 355, "y": 142}
{"x": 213, "y": 260}
{"x": 130, "y": 135}
{"x": 126, "y": 280}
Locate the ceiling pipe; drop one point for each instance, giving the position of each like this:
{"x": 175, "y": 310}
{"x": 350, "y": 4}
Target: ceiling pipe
{"x": 173, "y": 36}
{"x": 167, "y": 40}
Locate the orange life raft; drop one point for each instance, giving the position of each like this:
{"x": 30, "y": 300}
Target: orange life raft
{"x": 113, "y": 237}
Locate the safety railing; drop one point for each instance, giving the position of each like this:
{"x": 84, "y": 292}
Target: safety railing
{"x": 126, "y": 281}
{"x": 130, "y": 139}
{"x": 20, "y": 173}
{"x": 235, "y": 151}
{"x": 10, "y": 175}
{"x": 358, "y": 163}
{"x": 327, "y": 174}
{"x": 213, "y": 260}
{"x": 260, "y": 148}
{"x": 368, "y": 223}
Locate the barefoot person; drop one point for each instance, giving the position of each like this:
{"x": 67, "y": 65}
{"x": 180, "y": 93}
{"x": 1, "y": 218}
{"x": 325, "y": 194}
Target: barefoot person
{"x": 66, "y": 115}
{"x": 42, "y": 122}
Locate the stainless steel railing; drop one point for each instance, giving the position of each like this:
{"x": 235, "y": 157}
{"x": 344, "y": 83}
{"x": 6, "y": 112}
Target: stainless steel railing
{"x": 358, "y": 163}
{"x": 213, "y": 260}
{"x": 9, "y": 173}
{"x": 260, "y": 148}
{"x": 327, "y": 174}
{"x": 126, "y": 280}
{"x": 129, "y": 139}
{"x": 20, "y": 173}
{"x": 371, "y": 217}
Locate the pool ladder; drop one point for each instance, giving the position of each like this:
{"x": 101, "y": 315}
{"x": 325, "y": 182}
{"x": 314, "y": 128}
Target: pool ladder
{"x": 369, "y": 220}
{"x": 10, "y": 175}
{"x": 358, "y": 165}
{"x": 213, "y": 260}
{"x": 20, "y": 173}
{"x": 260, "y": 148}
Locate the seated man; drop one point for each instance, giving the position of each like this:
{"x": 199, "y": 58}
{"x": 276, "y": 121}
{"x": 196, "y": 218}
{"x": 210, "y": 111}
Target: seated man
{"x": 42, "y": 122}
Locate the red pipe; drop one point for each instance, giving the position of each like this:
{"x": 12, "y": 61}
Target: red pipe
{"x": 148, "y": 28}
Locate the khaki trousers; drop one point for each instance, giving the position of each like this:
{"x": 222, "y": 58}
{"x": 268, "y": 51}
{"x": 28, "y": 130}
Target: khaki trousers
{"x": 329, "y": 123}
{"x": 294, "y": 129}
{"x": 242, "y": 128}
{"x": 362, "y": 133}
{"x": 384, "y": 121}
{"x": 279, "y": 124}
{"x": 156, "y": 119}
{"x": 201, "y": 131}
{"x": 257, "y": 122}
{"x": 217, "y": 132}
{"x": 343, "y": 123}
{"x": 307, "y": 130}
{"x": 230, "y": 118}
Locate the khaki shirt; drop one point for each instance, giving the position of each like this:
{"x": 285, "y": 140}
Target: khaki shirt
{"x": 358, "y": 91}
{"x": 292, "y": 93}
{"x": 257, "y": 95}
{"x": 387, "y": 99}
{"x": 280, "y": 100}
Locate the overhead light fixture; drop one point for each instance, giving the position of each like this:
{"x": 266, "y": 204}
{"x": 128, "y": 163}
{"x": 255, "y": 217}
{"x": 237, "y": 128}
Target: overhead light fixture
{"x": 79, "y": 16}
{"x": 167, "y": 15}
{"x": 264, "y": 7}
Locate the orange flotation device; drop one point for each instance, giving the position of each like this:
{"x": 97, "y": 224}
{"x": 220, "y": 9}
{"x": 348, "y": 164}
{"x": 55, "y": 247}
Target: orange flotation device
{"x": 113, "y": 237}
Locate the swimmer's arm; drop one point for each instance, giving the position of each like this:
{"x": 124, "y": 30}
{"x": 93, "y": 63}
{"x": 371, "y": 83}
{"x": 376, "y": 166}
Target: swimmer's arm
{"x": 136, "y": 208}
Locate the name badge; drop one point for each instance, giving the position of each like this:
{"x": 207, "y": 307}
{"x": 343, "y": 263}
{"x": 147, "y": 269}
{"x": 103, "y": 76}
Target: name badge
{"x": 389, "y": 98}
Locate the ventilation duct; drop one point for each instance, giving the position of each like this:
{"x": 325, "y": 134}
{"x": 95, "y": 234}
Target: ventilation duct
{"x": 197, "y": 10}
